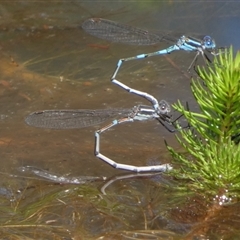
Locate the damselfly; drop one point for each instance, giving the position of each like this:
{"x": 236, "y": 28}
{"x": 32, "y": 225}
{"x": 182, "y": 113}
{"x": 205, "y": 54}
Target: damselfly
{"x": 118, "y": 32}
{"x": 62, "y": 119}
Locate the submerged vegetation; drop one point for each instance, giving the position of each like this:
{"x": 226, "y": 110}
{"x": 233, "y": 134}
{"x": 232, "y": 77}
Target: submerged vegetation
{"x": 46, "y": 211}
{"x": 211, "y": 161}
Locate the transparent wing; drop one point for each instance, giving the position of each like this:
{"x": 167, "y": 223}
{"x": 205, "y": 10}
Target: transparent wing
{"x": 70, "y": 119}
{"x": 117, "y": 32}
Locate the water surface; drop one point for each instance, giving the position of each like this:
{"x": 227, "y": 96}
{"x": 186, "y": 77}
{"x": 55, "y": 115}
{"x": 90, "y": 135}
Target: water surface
{"x": 49, "y": 62}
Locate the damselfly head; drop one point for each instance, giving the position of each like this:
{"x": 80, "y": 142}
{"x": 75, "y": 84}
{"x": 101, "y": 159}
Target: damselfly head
{"x": 208, "y": 42}
{"x": 164, "y": 107}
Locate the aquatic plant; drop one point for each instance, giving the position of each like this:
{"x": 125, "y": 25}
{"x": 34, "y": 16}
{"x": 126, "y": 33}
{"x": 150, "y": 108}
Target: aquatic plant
{"x": 211, "y": 160}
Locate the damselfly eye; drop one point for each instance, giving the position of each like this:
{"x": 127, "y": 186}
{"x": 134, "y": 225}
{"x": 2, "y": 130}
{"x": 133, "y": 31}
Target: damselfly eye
{"x": 209, "y": 42}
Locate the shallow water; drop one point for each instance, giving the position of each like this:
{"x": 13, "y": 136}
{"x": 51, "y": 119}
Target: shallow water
{"x": 49, "y": 62}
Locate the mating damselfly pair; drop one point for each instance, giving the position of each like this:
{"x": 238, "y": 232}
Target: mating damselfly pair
{"x": 161, "y": 111}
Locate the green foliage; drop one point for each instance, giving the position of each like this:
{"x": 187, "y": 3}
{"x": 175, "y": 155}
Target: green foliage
{"x": 212, "y": 161}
